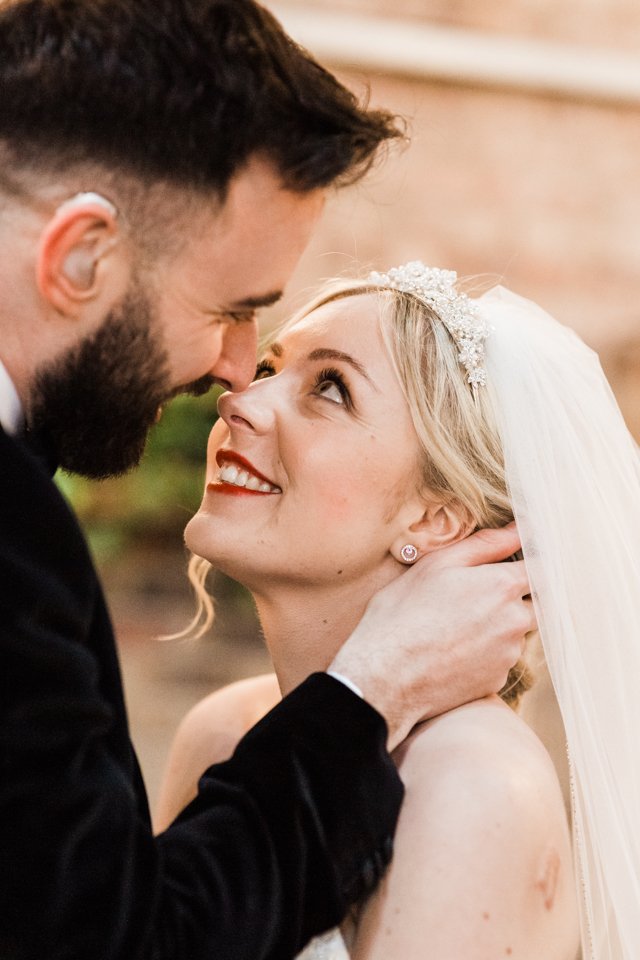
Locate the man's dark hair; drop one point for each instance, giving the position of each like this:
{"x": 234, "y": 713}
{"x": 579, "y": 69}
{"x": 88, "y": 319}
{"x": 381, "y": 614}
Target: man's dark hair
{"x": 183, "y": 91}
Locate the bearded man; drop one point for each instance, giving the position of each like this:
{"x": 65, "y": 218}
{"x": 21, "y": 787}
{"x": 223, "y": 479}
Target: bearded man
{"x": 162, "y": 165}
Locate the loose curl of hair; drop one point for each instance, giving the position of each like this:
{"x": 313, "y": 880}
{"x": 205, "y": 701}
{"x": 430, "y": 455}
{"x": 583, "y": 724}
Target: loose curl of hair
{"x": 462, "y": 458}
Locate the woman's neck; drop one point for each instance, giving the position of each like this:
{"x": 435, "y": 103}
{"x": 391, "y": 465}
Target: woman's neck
{"x": 305, "y": 625}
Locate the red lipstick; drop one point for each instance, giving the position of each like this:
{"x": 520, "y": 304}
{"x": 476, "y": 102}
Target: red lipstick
{"x": 225, "y": 457}
{"x": 230, "y": 456}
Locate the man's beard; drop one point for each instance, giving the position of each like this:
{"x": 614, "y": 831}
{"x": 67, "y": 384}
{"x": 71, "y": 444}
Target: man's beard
{"x": 97, "y": 402}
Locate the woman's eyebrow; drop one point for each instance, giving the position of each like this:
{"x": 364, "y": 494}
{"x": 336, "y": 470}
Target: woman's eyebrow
{"x": 326, "y": 353}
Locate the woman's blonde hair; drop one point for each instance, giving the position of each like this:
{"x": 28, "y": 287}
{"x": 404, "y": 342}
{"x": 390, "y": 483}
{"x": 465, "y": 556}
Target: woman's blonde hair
{"x": 462, "y": 462}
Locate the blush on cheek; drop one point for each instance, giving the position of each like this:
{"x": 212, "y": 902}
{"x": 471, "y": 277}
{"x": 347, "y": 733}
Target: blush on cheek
{"x": 344, "y": 500}
{"x": 338, "y": 506}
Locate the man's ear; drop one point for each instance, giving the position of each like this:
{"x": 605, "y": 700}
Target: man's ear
{"x": 77, "y": 260}
{"x": 440, "y": 525}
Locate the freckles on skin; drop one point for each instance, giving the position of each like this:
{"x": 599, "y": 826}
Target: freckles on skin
{"x": 344, "y": 459}
{"x": 344, "y": 494}
{"x": 344, "y": 475}
{"x": 337, "y": 506}
{"x": 368, "y": 451}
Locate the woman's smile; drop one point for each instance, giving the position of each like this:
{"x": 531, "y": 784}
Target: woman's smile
{"x": 238, "y": 476}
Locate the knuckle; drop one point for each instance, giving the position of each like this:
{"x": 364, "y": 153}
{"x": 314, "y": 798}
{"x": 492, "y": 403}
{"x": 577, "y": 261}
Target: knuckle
{"x": 485, "y": 535}
{"x": 505, "y": 584}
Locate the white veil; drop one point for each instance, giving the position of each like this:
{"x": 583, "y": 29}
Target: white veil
{"x": 574, "y": 477}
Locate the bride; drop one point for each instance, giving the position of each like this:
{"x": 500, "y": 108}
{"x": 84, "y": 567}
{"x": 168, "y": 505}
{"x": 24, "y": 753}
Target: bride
{"x": 393, "y": 416}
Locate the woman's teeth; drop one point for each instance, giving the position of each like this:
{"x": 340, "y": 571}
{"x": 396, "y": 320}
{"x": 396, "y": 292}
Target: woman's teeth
{"x": 242, "y": 478}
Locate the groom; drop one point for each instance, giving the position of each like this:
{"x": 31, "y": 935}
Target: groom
{"x": 162, "y": 164}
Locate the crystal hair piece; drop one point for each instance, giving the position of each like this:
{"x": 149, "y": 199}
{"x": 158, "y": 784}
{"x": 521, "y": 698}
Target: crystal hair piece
{"x": 458, "y": 313}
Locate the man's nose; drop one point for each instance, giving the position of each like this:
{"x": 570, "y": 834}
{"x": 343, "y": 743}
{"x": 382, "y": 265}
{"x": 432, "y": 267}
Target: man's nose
{"x": 236, "y": 365}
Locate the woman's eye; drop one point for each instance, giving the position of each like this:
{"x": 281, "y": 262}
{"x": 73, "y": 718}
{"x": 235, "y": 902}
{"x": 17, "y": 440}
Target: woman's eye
{"x": 331, "y": 385}
{"x": 330, "y": 391}
{"x": 263, "y": 370}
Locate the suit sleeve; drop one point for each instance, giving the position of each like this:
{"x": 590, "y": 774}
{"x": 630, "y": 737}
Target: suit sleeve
{"x": 279, "y": 841}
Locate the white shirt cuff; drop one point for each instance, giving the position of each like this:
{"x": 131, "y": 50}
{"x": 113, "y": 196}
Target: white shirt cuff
{"x": 348, "y": 683}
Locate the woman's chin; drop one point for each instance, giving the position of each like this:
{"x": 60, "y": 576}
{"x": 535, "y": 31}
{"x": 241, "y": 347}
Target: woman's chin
{"x": 227, "y": 558}
{"x": 198, "y": 538}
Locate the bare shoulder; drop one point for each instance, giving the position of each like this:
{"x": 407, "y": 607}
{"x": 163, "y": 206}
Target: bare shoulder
{"x": 489, "y": 777}
{"x": 483, "y": 835}
{"x": 209, "y": 734}
{"x": 483, "y": 743}
{"x": 224, "y": 716}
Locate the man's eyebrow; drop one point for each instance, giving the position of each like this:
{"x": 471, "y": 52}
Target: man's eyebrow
{"x": 254, "y": 303}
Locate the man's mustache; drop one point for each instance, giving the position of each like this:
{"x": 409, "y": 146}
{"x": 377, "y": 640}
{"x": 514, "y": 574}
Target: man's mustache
{"x": 197, "y": 388}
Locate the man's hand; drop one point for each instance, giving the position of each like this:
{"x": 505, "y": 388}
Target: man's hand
{"x": 445, "y": 632}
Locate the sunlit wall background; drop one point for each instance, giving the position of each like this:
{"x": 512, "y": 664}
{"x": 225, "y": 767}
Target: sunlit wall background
{"x": 523, "y": 165}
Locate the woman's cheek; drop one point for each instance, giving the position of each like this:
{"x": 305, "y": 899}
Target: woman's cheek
{"x": 217, "y": 437}
{"x": 345, "y": 497}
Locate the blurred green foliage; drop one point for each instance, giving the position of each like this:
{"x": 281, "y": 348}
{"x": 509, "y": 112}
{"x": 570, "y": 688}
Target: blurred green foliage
{"x": 154, "y": 501}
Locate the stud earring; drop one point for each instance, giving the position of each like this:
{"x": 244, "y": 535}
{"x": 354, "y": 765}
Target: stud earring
{"x": 409, "y": 553}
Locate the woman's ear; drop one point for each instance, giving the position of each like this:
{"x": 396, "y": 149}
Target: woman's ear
{"x": 440, "y": 525}
{"x": 77, "y": 255}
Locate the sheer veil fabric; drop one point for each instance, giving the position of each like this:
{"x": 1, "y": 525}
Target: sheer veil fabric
{"x": 574, "y": 476}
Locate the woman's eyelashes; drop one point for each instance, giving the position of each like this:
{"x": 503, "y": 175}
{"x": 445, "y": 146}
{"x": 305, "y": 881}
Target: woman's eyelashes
{"x": 329, "y": 383}
{"x": 264, "y": 369}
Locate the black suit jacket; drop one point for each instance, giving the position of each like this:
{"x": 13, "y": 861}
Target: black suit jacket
{"x": 279, "y": 841}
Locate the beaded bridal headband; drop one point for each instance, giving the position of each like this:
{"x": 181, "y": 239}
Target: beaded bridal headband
{"x": 457, "y": 312}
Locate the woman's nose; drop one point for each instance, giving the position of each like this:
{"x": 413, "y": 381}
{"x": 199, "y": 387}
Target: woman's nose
{"x": 253, "y": 410}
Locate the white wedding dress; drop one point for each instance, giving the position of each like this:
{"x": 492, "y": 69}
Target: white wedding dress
{"x": 329, "y": 946}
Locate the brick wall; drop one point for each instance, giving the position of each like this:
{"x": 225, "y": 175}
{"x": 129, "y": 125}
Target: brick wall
{"x": 613, "y": 24}
{"x": 542, "y": 193}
